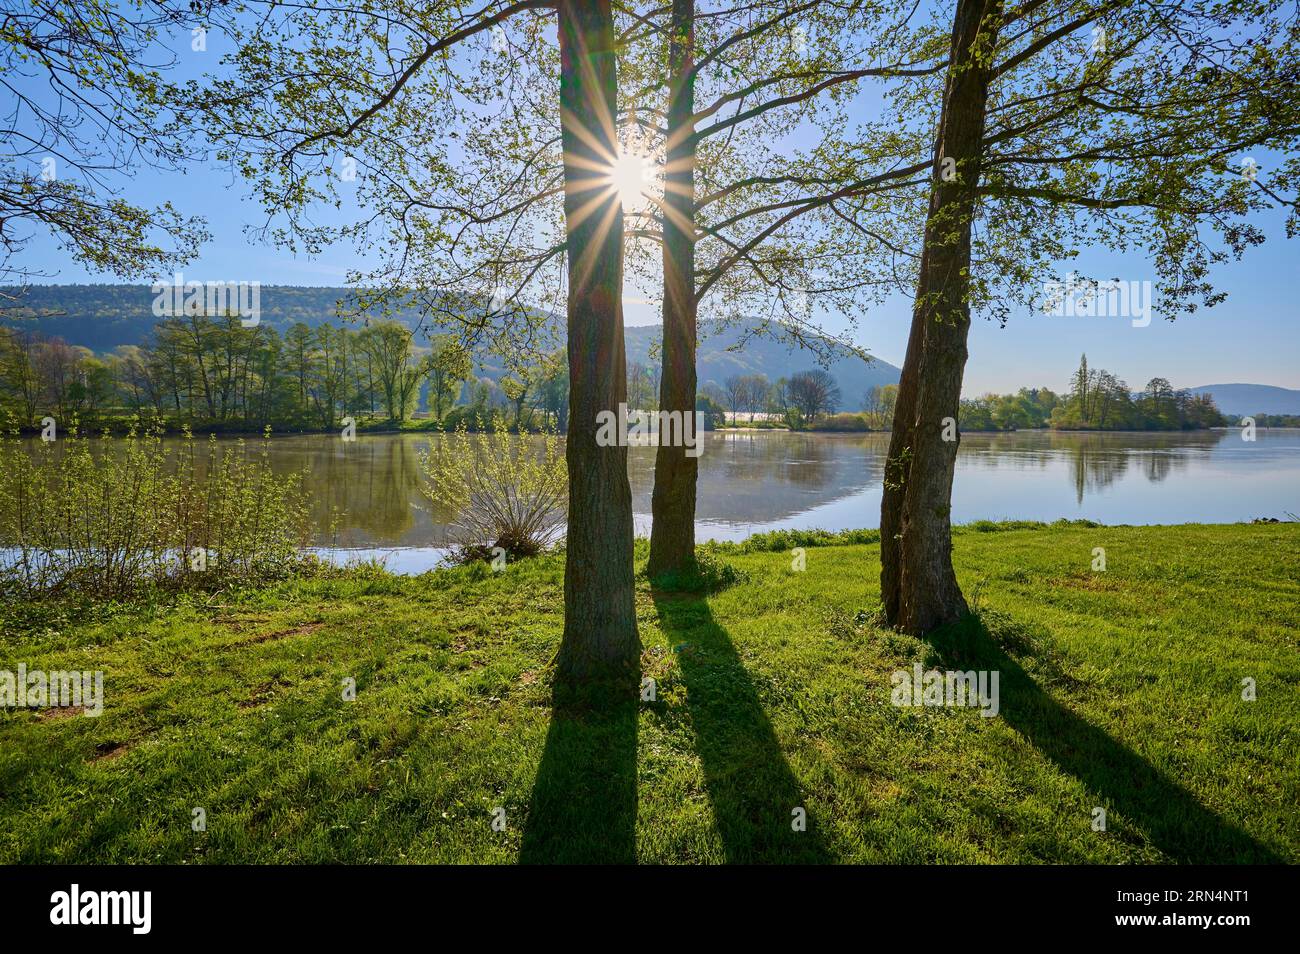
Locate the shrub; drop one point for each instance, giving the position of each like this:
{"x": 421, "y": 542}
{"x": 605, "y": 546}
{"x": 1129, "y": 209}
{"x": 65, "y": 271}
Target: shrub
{"x": 842, "y": 422}
{"x": 107, "y": 515}
{"x": 777, "y": 541}
{"x": 709, "y": 413}
{"x": 467, "y": 417}
{"x": 508, "y": 490}
{"x": 707, "y": 574}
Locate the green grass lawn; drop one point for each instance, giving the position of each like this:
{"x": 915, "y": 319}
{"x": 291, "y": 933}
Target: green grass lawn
{"x": 1119, "y": 689}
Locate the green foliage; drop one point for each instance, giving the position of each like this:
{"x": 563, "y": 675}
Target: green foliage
{"x": 1276, "y": 420}
{"x": 88, "y": 101}
{"x": 783, "y": 541}
{"x": 507, "y": 491}
{"x": 710, "y": 412}
{"x": 879, "y": 403}
{"x": 1100, "y": 401}
{"x": 216, "y": 375}
{"x": 706, "y": 574}
{"x": 777, "y": 541}
{"x": 213, "y": 374}
{"x": 798, "y": 401}
{"x": 112, "y": 319}
{"x": 842, "y": 422}
{"x": 1097, "y": 401}
{"x": 1029, "y": 408}
{"x": 387, "y": 346}
{"x": 107, "y": 516}
{"x": 449, "y": 364}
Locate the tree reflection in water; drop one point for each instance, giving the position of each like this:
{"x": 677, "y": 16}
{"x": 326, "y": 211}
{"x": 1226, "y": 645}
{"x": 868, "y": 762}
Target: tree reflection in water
{"x": 367, "y": 493}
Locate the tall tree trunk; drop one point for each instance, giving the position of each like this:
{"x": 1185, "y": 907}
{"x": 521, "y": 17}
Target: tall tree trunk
{"x": 672, "y": 533}
{"x": 898, "y": 465}
{"x": 918, "y": 584}
{"x": 600, "y": 636}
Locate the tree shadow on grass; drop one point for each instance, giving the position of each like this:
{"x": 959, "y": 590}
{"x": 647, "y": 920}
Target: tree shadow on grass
{"x": 583, "y": 805}
{"x": 750, "y": 784}
{"x": 1170, "y": 816}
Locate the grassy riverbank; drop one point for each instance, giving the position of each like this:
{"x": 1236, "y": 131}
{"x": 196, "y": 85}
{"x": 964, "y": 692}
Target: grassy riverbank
{"x": 1119, "y": 689}
{"x": 120, "y": 425}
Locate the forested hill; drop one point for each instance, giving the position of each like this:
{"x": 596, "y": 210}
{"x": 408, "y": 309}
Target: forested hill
{"x": 102, "y": 317}
{"x": 762, "y": 355}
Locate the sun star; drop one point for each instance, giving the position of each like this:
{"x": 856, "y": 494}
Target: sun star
{"x": 630, "y": 177}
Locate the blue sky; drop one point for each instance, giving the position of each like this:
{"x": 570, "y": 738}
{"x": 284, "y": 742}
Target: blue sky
{"x": 1252, "y": 337}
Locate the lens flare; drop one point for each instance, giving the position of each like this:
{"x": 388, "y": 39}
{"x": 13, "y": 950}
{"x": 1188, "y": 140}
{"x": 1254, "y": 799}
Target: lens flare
{"x": 631, "y": 176}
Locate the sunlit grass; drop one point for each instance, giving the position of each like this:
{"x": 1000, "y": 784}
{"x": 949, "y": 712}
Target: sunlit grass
{"x": 1120, "y": 689}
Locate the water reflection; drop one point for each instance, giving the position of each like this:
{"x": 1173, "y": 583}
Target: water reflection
{"x": 1096, "y": 460}
{"x": 367, "y": 493}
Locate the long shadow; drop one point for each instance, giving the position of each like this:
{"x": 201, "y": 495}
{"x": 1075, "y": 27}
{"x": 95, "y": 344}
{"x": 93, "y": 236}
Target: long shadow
{"x": 1170, "y": 816}
{"x": 583, "y": 804}
{"x": 750, "y": 785}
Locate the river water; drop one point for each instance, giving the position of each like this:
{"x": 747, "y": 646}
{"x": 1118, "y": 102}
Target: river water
{"x": 369, "y": 490}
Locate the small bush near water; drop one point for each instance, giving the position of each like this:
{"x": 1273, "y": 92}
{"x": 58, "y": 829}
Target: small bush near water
{"x": 707, "y": 574}
{"x": 107, "y": 515}
{"x": 509, "y": 491}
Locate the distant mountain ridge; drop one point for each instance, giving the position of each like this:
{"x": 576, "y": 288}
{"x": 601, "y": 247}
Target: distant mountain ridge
{"x": 1252, "y": 398}
{"x": 715, "y": 361}
{"x": 102, "y": 317}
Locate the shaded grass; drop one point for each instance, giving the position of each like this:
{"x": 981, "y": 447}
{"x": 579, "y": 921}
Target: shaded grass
{"x": 1120, "y": 690}
{"x": 758, "y": 804}
{"x": 584, "y": 800}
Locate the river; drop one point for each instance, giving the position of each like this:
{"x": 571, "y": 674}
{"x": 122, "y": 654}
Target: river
{"x": 368, "y": 491}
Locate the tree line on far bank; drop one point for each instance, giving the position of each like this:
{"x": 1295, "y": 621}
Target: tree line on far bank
{"x": 216, "y": 374}
{"x": 1097, "y": 401}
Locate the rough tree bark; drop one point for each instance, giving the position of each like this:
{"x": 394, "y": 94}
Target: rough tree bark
{"x": 898, "y": 465}
{"x": 918, "y": 584}
{"x": 600, "y": 639}
{"x": 672, "y": 533}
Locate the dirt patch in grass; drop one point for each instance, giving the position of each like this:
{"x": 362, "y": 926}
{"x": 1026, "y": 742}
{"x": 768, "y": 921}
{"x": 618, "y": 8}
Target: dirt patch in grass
{"x": 108, "y": 751}
{"x": 239, "y": 623}
{"x": 58, "y": 713}
{"x": 306, "y": 629}
{"x": 262, "y": 694}
{"x": 1095, "y": 582}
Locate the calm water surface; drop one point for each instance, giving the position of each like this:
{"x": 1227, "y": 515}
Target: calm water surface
{"x": 765, "y": 481}
{"x": 366, "y": 499}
